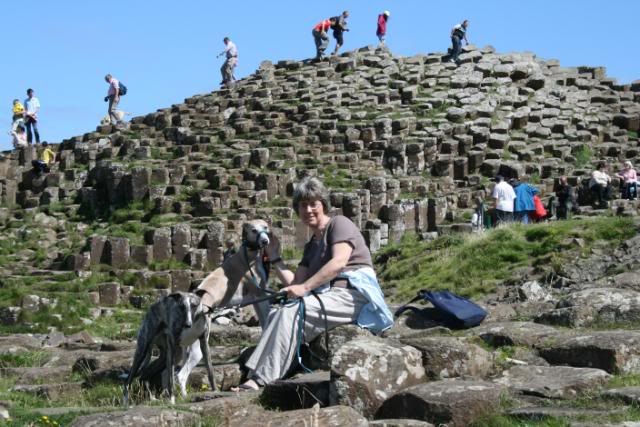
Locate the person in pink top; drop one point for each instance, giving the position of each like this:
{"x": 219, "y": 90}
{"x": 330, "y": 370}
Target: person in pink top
{"x": 381, "y": 30}
{"x": 629, "y": 183}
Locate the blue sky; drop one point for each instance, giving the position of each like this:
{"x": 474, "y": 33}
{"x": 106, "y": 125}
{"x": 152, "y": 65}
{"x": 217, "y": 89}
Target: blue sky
{"x": 164, "y": 51}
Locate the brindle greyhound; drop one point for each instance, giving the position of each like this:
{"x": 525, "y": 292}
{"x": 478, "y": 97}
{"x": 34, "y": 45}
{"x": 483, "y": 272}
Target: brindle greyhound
{"x": 163, "y": 326}
{"x": 241, "y": 279}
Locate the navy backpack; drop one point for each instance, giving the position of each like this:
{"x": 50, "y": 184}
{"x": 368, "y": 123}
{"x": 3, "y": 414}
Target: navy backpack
{"x": 455, "y": 311}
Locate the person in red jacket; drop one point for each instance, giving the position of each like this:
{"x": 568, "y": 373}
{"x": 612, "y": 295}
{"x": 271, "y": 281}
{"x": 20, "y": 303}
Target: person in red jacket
{"x": 381, "y": 31}
{"x": 320, "y": 36}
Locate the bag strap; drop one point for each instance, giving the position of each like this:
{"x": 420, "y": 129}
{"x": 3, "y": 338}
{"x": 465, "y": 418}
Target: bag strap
{"x": 406, "y": 306}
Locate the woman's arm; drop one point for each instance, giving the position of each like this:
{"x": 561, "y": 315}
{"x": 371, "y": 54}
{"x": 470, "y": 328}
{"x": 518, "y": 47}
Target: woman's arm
{"x": 340, "y": 254}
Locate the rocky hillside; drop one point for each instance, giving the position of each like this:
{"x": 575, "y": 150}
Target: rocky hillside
{"x": 407, "y": 144}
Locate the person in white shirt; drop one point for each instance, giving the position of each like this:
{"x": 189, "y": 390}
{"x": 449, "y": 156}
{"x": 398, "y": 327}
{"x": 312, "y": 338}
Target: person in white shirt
{"x": 600, "y": 185}
{"x": 31, "y": 109}
{"x": 503, "y": 196}
{"x": 227, "y": 69}
{"x": 458, "y": 34}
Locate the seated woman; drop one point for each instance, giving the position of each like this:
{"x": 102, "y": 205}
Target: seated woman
{"x": 629, "y": 181}
{"x": 336, "y": 266}
{"x": 19, "y": 138}
{"x": 599, "y": 185}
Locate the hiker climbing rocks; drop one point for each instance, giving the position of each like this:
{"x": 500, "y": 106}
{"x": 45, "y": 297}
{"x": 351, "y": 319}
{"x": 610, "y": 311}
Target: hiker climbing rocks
{"x": 339, "y": 27}
{"x": 113, "y": 97}
{"x": 334, "y": 285}
{"x": 458, "y": 33}
{"x": 31, "y": 109}
{"x": 227, "y": 70}
{"x": 381, "y": 30}
{"x": 320, "y": 36}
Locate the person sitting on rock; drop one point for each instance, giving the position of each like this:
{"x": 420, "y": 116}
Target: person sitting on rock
{"x": 458, "y": 33}
{"x": 629, "y": 181}
{"x": 334, "y": 285}
{"x": 381, "y": 30}
{"x": 600, "y": 185}
{"x": 320, "y": 36}
{"x": 503, "y": 196}
{"x": 19, "y": 137}
{"x": 566, "y": 199}
{"x": 45, "y": 159}
{"x": 523, "y": 206}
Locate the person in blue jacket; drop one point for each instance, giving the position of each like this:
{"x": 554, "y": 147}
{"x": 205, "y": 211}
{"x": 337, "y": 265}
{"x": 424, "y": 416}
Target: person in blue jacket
{"x": 523, "y": 206}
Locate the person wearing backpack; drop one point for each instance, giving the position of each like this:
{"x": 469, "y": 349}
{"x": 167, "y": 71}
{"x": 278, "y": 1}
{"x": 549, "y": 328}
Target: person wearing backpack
{"x": 116, "y": 89}
{"x": 339, "y": 27}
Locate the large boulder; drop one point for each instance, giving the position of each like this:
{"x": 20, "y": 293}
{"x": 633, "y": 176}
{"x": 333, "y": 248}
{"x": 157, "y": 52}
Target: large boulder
{"x": 612, "y": 351}
{"x": 449, "y": 357}
{"x": 455, "y": 403}
{"x": 366, "y": 371}
{"x": 595, "y": 305}
{"x": 554, "y": 382}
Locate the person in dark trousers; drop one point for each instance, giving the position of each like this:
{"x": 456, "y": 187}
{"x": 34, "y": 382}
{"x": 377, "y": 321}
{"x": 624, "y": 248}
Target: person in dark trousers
{"x": 31, "y": 109}
{"x": 230, "y": 250}
{"x": 339, "y": 27}
{"x": 600, "y": 185}
{"x": 320, "y": 36}
{"x": 458, "y": 34}
{"x": 503, "y": 196}
{"x": 566, "y": 199}
{"x": 381, "y": 30}
{"x": 227, "y": 70}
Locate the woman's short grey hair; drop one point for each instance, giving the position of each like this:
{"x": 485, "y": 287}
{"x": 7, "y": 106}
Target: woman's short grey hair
{"x": 310, "y": 189}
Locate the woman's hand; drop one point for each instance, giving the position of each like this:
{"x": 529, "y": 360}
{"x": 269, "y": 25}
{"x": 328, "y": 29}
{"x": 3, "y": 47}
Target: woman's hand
{"x": 296, "y": 291}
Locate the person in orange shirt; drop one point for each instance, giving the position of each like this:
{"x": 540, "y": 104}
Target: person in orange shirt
{"x": 320, "y": 36}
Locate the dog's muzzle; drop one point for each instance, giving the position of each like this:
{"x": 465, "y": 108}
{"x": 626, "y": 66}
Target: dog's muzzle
{"x": 262, "y": 240}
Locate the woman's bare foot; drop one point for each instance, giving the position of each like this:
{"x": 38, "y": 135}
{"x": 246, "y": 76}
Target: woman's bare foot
{"x": 249, "y": 385}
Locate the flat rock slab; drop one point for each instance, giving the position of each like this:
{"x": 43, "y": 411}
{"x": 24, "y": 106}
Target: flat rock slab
{"x": 399, "y": 423}
{"x": 450, "y": 357}
{"x": 139, "y": 417}
{"x": 612, "y": 351}
{"x": 48, "y": 391}
{"x": 541, "y": 412}
{"x": 527, "y": 334}
{"x": 595, "y": 305}
{"x": 561, "y": 382}
{"x": 32, "y": 375}
{"x": 629, "y": 395}
{"x": 255, "y": 416}
{"x": 299, "y": 393}
{"x": 456, "y": 403}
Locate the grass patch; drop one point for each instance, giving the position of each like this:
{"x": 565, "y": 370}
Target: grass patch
{"x": 498, "y": 420}
{"x": 583, "y": 156}
{"x": 27, "y": 359}
{"x": 472, "y": 265}
{"x": 121, "y": 325}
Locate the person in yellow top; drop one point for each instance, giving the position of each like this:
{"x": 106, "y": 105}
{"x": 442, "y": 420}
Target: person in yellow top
{"x": 18, "y": 114}
{"x": 46, "y": 158}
